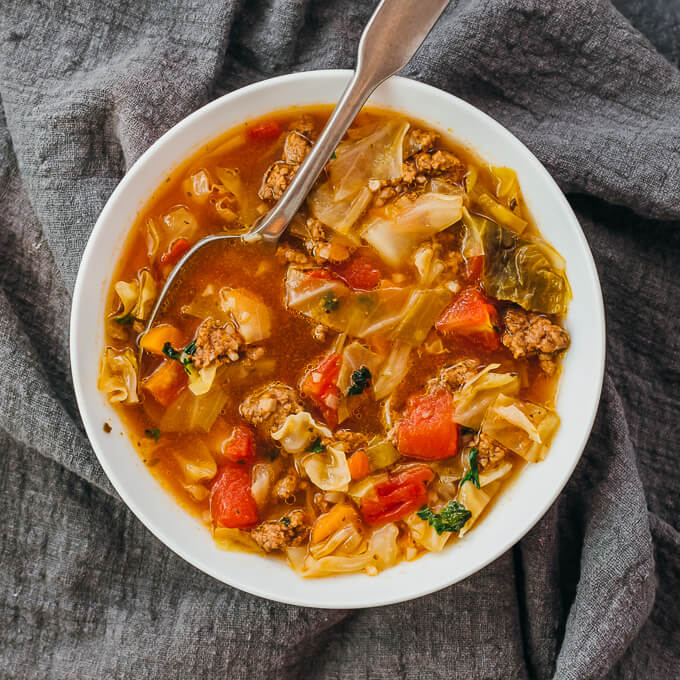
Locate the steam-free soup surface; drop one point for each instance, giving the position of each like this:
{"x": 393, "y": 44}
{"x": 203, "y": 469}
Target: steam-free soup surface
{"x": 359, "y": 394}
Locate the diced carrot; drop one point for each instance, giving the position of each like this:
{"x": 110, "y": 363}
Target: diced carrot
{"x": 427, "y": 430}
{"x": 155, "y": 338}
{"x": 166, "y": 382}
{"x": 358, "y": 464}
{"x": 175, "y": 252}
{"x": 268, "y": 129}
{"x": 330, "y": 522}
{"x": 472, "y": 316}
{"x": 359, "y": 273}
{"x": 231, "y": 502}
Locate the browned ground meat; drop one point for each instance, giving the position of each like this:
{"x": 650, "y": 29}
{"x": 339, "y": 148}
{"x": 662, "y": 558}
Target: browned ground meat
{"x": 216, "y": 341}
{"x": 286, "y": 487}
{"x": 276, "y": 180}
{"x": 350, "y": 441}
{"x": 419, "y": 140}
{"x": 490, "y": 452}
{"x": 277, "y": 534}
{"x": 324, "y": 248}
{"x": 440, "y": 162}
{"x": 528, "y": 334}
{"x": 454, "y": 376}
{"x": 268, "y": 408}
{"x": 296, "y": 147}
{"x": 286, "y": 253}
{"x": 304, "y": 125}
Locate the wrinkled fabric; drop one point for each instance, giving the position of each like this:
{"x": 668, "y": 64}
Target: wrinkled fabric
{"x": 86, "y": 591}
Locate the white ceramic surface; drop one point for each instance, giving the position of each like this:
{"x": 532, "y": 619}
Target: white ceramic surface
{"x": 518, "y": 509}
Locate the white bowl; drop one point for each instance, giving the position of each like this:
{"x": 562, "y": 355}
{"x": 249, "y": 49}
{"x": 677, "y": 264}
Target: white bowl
{"x": 515, "y": 512}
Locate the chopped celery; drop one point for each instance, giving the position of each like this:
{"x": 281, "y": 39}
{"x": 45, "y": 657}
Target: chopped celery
{"x": 381, "y": 455}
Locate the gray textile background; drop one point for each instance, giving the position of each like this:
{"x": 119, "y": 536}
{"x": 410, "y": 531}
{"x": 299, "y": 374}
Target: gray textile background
{"x": 87, "y": 592}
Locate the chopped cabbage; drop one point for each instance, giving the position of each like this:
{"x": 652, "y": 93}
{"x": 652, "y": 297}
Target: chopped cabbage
{"x": 201, "y": 381}
{"x": 180, "y": 222}
{"x": 381, "y": 455}
{"x": 528, "y": 272}
{"x": 521, "y": 426}
{"x": 196, "y": 463}
{"x": 486, "y": 204}
{"x": 136, "y": 296}
{"x": 475, "y": 500}
{"x": 406, "y": 223}
{"x": 118, "y": 376}
{"x": 393, "y": 371}
{"x": 264, "y": 475}
{"x": 425, "y": 535}
{"x": 200, "y": 186}
{"x": 423, "y": 308}
{"x": 235, "y": 540}
{"x": 376, "y": 154}
{"x": 495, "y": 473}
{"x": 298, "y": 431}
{"x": 249, "y": 312}
{"x": 477, "y": 393}
{"x": 194, "y": 412}
{"x": 355, "y": 356}
{"x": 327, "y": 469}
{"x": 357, "y": 490}
{"x": 339, "y": 215}
{"x": 383, "y": 546}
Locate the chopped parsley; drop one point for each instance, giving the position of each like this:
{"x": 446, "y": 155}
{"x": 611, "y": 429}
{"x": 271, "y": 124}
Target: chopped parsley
{"x": 466, "y": 430}
{"x": 367, "y": 303}
{"x": 360, "y": 380}
{"x": 183, "y": 356}
{"x": 452, "y": 517}
{"x": 153, "y": 433}
{"x": 472, "y": 475}
{"x": 285, "y": 521}
{"x": 329, "y": 302}
{"x": 317, "y": 446}
{"x": 333, "y": 156}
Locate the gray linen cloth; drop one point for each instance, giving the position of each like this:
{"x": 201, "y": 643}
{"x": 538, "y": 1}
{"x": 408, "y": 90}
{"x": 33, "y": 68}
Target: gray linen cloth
{"x": 86, "y": 592}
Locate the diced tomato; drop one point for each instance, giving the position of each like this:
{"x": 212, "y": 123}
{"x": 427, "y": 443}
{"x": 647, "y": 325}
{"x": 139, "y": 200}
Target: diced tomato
{"x": 398, "y": 496}
{"x": 359, "y": 273}
{"x": 358, "y": 464}
{"x": 320, "y": 386}
{"x": 231, "y": 503}
{"x": 268, "y": 129}
{"x": 472, "y": 316}
{"x": 319, "y": 274}
{"x": 241, "y": 445}
{"x": 175, "y": 252}
{"x": 166, "y": 382}
{"x": 473, "y": 268}
{"x": 427, "y": 430}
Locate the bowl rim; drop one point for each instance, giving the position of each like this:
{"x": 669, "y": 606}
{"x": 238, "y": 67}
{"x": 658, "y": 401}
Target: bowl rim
{"x": 81, "y": 292}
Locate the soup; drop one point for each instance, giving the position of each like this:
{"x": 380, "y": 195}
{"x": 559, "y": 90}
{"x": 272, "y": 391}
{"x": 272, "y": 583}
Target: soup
{"x": 359, "y": 394}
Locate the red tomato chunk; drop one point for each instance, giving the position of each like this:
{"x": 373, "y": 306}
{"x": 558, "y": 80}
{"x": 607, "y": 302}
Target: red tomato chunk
{"x": 472, "y": 316}
{"x": 269, "y": 129}
{"x": 399, "y": 496}
{"x": 320, "y": 386}
{"x": 427, "y": 430}
{"x": 231, "y": 503}
{"x": 359, "y": 273}
{"x": 241, "y": 445}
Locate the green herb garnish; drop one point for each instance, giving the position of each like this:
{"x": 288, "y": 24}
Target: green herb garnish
{"x": 183, "y": 356}
{"x": 452, "y": 517}
{"x": 317, "y": 446}
{"x": 333, "y": 156}
{"x": 367, "y": 303}
{"x": 127, "y": 320}
{"x": 472, "y": 475}
{"x": 466, "y": 430}
{"x": 329, "y": 302}
{"x": 154, "y": 433}
{"x": 360, "y": 380}
{"x": 285, "y": 521}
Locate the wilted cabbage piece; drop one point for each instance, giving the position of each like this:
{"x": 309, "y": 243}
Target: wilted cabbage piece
{"x": 521, "y": 426}
{"x": 477, "y": 393}
{"x": 200, "y": 381}
{"x": 339, "y": 215}
{"x": 180, "y": 222}
{"x": 299, "y": 431}
{"x": 235, "y": 539}
{"x": 248, "y": 311}
{"x": 486, "y": 204}
{"x": 406, "y": 223}
{"x": 136, "y": 297}
{"x": 118, "y": 376}
{"x": 475, "y": 500}
{"x": 425, "y": 535}
{"x": 200, "y": 186}
{"x": 327, "y": 469}
{"x": 392, "y": 371}
{"x": 196, "y": 464}
{"x": 192, "y": 412}
{"x": 530, "y": 273}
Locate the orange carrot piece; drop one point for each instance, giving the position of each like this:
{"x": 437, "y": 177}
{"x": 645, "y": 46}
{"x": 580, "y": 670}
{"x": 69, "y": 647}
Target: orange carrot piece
{"x": 166, "y": 382}
{"x": 154, "y": 340}
{"x": 358, "y": 464}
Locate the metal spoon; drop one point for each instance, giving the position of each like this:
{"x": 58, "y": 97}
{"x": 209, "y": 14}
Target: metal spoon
{"x": 391, "y": 37}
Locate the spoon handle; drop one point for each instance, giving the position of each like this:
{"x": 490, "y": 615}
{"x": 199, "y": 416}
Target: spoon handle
{"x": 391, "y": 37}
